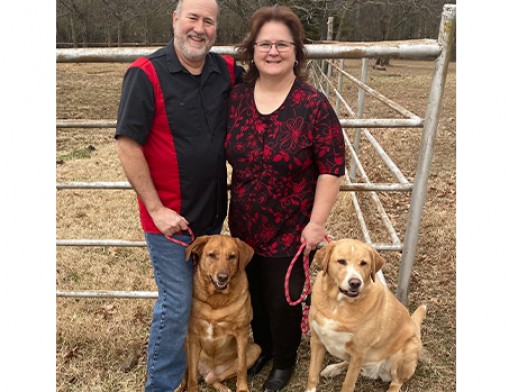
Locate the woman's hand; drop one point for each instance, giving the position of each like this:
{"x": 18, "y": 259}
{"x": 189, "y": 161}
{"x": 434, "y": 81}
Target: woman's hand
{"x": 312, "y": 235}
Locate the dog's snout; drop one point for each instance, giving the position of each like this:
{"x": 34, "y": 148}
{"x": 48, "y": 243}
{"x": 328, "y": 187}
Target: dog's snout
{"x": 222, "y": 278}
{"x": 354, "y": 283}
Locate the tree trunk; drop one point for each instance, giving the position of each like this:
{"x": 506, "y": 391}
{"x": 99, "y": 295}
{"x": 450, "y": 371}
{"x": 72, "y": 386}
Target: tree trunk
{"x": 119, "y": 34}
{"x": 381, "y": 63}
{"x": 73, "y": 32}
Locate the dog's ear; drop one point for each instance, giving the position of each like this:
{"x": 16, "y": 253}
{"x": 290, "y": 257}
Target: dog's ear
{"x": 196, "y": 247}
{"x": 322, "y": 257}
{"x": 245, "y": 253}
{"x": 377, "y": 264}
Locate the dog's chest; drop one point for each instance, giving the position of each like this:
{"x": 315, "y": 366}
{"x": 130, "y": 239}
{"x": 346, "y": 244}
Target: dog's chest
{"x": 214, "y": 331}
{"x": 333, "y": 340}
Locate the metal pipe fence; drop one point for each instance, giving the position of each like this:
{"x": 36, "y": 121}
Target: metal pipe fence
{"x": 439, "y": 50}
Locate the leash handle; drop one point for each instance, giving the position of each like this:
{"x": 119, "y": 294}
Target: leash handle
{"x": 184, "y": 244}
{"x": 304, "y": 325}
{"x": 307, "y": 283}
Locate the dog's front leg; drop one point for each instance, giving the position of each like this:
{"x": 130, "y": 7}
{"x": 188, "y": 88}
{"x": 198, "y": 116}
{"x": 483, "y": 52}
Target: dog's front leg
{"x": 193, "y": 356}
{"x": 352, "y": 374}
{"x": 242, "y": 339}
{"x": 315, "y": 363}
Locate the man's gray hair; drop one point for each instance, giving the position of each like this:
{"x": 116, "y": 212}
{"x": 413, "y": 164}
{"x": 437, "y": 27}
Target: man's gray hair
{"x": 179, "y": 7}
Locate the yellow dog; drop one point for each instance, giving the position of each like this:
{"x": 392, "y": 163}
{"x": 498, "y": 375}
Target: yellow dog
{"x": 357, "y": 319}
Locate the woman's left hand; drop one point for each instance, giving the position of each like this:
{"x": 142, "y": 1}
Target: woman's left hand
{"x": 312, "y": 235}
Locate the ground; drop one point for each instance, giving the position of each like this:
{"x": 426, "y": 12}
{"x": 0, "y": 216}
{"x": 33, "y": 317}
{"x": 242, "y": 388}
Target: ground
{"x": 101, "y": 343}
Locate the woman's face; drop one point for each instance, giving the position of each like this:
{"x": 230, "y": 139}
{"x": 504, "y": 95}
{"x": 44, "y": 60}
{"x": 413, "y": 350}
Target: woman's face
{"x": 270, "y": 60}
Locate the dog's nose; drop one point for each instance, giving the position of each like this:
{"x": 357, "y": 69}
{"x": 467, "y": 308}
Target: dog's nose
{"x": 222, "y": 278}
{"x": 354, "y": 283}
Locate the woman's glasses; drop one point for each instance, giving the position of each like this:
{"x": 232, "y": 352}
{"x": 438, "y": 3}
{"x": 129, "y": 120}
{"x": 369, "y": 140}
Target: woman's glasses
{"x": 281, "y": 46}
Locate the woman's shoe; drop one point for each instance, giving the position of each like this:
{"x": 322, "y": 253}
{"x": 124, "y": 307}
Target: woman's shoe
{"x": 277, "y": 379}
{"x": 258, "y": 365}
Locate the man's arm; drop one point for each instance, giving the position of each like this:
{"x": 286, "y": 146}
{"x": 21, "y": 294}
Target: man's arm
{"x": 138, "y": 174}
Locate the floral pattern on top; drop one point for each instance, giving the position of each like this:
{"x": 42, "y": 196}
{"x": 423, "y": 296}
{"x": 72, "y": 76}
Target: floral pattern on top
{"x": 276, "y": 161}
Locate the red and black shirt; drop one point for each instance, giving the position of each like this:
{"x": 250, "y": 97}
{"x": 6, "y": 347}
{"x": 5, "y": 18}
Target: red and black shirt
{"x": 276, "y": 160}
{"x": 180, "y": 120}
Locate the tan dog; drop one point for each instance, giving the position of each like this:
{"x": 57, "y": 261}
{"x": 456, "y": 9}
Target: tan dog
{"x": 218, "y": 343}
{"x": 357, "y": 319}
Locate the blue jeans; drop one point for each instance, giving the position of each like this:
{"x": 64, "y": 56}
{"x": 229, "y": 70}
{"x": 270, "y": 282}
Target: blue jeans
{"x": 166, "y": 355}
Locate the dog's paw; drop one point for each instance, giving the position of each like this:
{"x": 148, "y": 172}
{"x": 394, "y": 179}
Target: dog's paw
{"x": 334, "y": 370}
{"x": 211, "y": 378}
{"x": 242, "y": 388}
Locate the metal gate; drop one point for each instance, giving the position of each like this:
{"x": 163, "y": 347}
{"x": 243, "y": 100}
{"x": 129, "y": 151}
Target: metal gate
{"x": 328, "y": 75}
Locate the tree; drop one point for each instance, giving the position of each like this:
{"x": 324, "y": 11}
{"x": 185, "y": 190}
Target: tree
{"x": 146, "y": 22}
{"x": 74, "y": 11}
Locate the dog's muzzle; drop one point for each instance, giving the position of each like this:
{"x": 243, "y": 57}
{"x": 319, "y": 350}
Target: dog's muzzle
{"x": 221, "y": 281}
{"x": 354, "y": 288}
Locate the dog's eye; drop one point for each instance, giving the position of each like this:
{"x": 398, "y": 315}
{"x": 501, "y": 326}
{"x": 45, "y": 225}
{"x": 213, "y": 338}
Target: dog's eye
{"x": 363, "y": 263}
{"x": 212, "y": 256}
{"x": 231, "y": 258}
{"x": 342, "y": 261}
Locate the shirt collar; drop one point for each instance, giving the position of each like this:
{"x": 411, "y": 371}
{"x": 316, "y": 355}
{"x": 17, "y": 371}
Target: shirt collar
{"x": 175, "y": 66}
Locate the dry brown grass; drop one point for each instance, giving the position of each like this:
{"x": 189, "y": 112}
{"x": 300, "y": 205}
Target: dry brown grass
{"x": 101, "y": 343}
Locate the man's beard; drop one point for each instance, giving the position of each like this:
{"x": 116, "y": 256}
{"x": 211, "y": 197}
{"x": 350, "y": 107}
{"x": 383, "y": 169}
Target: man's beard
{"x": 191, "y": 52}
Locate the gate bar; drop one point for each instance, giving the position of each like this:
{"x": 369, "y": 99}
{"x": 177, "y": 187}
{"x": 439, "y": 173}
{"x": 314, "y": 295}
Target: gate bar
{"x": 404, "y": 49}
{"x": 357, "y": 186}
{"x": 346, "y": 123}
{"x": 445, "y": 38}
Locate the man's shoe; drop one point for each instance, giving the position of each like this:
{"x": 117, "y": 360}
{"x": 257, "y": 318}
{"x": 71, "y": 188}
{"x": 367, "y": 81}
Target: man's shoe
{"x": 277, "y": 379}
{"x": 258, "y": 365}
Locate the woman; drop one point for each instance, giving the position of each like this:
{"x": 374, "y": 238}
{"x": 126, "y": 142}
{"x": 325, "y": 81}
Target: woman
{"x": 286, "y": 147}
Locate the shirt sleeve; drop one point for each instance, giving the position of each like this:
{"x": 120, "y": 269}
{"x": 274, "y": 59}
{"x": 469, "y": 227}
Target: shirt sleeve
{"x": 239, "y": 73}
{"x": 329, "y": 144}
{"x": 137, "y": 106}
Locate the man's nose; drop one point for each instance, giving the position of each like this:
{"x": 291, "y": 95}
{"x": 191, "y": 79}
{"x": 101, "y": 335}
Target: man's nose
{"x": 199, "y": 26}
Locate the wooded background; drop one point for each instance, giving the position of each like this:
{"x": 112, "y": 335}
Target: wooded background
{"x": 88, "y": 23}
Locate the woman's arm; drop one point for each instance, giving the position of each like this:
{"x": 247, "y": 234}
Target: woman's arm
{"x": 327, "y": 189}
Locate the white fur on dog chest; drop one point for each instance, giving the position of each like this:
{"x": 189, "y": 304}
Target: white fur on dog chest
{"x": 333, "y": 340}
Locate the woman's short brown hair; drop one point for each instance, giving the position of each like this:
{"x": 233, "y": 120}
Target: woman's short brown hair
{"x": 273, "y": 14}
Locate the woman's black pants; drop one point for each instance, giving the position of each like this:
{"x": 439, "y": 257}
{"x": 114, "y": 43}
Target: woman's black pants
{"x": 276, "y": 324}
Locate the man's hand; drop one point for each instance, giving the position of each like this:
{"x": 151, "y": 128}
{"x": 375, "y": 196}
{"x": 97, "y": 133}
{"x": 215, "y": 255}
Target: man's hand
{"x": 168, "y": 221}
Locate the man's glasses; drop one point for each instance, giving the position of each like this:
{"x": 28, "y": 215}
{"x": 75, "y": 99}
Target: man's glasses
{"x": 281, "y": 46}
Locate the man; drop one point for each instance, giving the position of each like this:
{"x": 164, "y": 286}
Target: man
{"x": 170, "y": 134}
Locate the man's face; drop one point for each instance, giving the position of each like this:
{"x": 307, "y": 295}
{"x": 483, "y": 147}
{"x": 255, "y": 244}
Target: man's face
{"x": 195, "y": 26}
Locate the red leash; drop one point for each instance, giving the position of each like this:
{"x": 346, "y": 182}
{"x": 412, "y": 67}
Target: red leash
{"x": 304, "y": 325}
{"x": 184, "y": 244}
{"x": 307, "y": 283}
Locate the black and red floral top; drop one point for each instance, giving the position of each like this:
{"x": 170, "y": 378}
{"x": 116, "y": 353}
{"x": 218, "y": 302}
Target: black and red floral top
{"x": 276, "y": 160}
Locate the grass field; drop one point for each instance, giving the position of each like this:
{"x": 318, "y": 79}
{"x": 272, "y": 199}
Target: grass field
{"x": 101, "y": 343}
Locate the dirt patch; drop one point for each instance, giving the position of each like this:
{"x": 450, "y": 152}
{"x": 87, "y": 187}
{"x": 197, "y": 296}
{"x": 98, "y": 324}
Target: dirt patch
{"x": 101, "y": 343}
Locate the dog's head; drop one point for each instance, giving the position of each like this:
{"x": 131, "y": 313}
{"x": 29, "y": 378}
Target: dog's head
{"x": 352, "y": 264}
{"x": 219, "y": 257}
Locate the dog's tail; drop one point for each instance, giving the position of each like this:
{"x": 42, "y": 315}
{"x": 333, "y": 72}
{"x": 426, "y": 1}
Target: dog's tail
{"x": 419, "y": 315}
